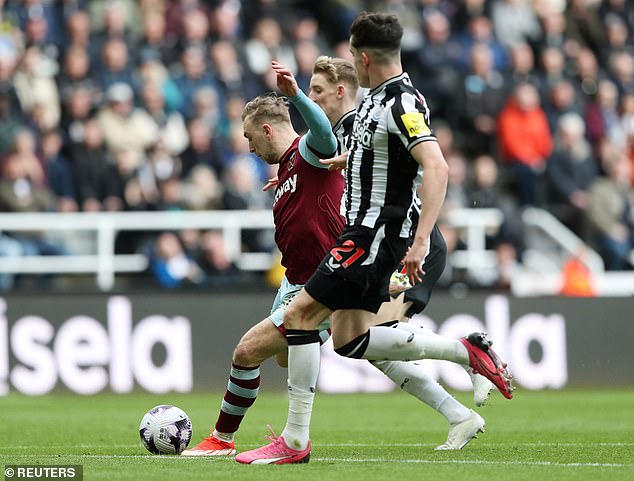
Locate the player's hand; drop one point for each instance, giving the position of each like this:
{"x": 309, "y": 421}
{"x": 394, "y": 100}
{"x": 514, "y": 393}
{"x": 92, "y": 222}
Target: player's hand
{"x": 272, "y": 182}
{"x": 413, "y": 262}
{"x": 286, "y": 82}
{"x": 336, "y": 163}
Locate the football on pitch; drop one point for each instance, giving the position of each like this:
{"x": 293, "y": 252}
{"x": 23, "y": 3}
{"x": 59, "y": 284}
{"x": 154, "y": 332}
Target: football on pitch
{"x": 165, "y": 429}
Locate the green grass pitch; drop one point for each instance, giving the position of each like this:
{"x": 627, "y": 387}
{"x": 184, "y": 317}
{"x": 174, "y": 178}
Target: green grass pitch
{"x": 538, "y": 436}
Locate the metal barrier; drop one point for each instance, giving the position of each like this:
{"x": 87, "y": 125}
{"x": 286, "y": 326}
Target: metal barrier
{"x": 105, "y": 263}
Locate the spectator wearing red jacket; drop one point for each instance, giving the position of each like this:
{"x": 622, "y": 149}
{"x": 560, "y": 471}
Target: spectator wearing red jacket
{"x": 525, "y": 140}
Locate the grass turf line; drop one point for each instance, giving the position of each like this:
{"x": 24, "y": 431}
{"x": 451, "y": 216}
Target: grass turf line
{"x": 561, "y": 435}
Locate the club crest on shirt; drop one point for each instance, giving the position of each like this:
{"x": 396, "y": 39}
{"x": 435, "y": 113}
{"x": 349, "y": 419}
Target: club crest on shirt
{"x": 415, "y": 124}
{"x": 291, "y": 162}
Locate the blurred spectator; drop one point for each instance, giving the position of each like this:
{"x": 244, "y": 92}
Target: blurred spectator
{"x": 34, "y": 84}
{"x": 602, "y": 115}
{"x": 456, "y": 197}
{"x": 76, "y": 73}
{"x": 154, "y": 40}
{"x": 39, "y": 23}
{"x": 171, "y": 266}
{"x": 170, "y": 126}
{"x": 611, "y": 213}
{"x": 77, "y": 108}
{"x": 468, "y": 9}
{"x": 588, "y": 72}
{"x": 116, "y": 66}
{"x": 478, "y": 102}
{"x": 214, "y": 260}
{"x": 11, "y": 118}
{"x": 621, "y": 70}
{"x": 525, "y": 141}
{"x": 192, "y": 77}
{"x": 617, "y": 36}
{"x": 58, "y": 171}
{"x": 242, "y": 191}
{"x": 202, "y": 189}
{"x": 225, "y": 19}
{"x": 124, "y": 126}
{"x": 195, "y": 30}
{"x": 485, "y": 192}
{"x": 151, "y": 69}
{"x": 267, "y": 43}
{"x": 231, "y": 76}
{"x": 114, "y": 19}
{"x": 514, "y": 22}
{"x": 619, "y": 8}
{"x": 207, "y": 109}
{"x": 480, "y": 32}
{"x": 561, "y": 100}
{"x": 79, "y": 36}
{"x": 571, "y": 169}
{"x": 583, "y": 24}
{"x": 438, "y": 78}
{"x": 201, "y": 149}
{"x": 522, "y": 67}
{"x": 553, "y": 64}
{"x": 94, "y": 175}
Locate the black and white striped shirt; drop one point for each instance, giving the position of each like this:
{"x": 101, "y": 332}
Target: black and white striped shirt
{"x": 343, "y": 131}
{"x": 382, "y": 177}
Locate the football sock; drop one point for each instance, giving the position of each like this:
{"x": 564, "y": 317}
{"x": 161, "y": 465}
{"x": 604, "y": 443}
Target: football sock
{"x": 386, "y": 343}
{"x": 423, "y": 332}
{"x": 303, "y": 370}
{"x": 241, "y": 393}
{"x": 412, "y": 378}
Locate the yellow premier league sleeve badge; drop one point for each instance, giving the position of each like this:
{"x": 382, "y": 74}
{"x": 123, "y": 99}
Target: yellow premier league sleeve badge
{"x": 415, "y": 124}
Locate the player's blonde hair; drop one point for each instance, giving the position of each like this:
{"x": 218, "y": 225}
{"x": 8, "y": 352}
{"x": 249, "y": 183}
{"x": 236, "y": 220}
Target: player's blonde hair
{"x": 337, "y": 70}
{"x": 269, "y": 108}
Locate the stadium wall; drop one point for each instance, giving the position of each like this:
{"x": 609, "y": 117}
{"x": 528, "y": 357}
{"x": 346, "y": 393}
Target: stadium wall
{"x": 179, "y": 342}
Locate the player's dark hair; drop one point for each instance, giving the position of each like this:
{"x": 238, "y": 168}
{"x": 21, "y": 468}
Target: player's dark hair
{"x": 380, "y": 31}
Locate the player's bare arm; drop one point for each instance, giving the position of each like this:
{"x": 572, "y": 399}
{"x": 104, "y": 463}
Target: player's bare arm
{"x": 433, "y": 190}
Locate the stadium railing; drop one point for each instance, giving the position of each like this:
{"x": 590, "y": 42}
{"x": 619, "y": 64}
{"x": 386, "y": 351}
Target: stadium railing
{"x": 101, "y": 229}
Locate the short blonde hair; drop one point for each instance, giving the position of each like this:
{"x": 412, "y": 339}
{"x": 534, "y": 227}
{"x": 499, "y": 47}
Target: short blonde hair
{"x": 337, "y": 70}
{"x": 267, "y": 108}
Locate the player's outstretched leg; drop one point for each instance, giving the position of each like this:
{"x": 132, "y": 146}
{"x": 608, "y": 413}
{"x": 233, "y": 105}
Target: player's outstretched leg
{"x": 482, "y": 387}
{"x": 412, "y": 378}
{"x": 241, "y": 393}
{"x": 483, "y": 360}
{"x": 261, "y": 342}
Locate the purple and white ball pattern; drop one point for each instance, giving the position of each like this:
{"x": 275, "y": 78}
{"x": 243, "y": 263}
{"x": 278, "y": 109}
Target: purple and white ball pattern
{"x": 165, "y": 429}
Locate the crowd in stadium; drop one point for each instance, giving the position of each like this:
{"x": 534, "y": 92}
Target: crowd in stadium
{"x": 128, "y": 105}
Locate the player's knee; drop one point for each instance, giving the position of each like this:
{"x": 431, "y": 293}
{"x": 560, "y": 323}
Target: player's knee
{"x": 245, "y": 355}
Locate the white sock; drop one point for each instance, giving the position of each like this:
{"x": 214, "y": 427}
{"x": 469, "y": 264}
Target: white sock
{"x": 391, "y": 344}
{"x": 412, "y": 378}
{"x": 423, "y": 332}
{"x": 303, "y": 369}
